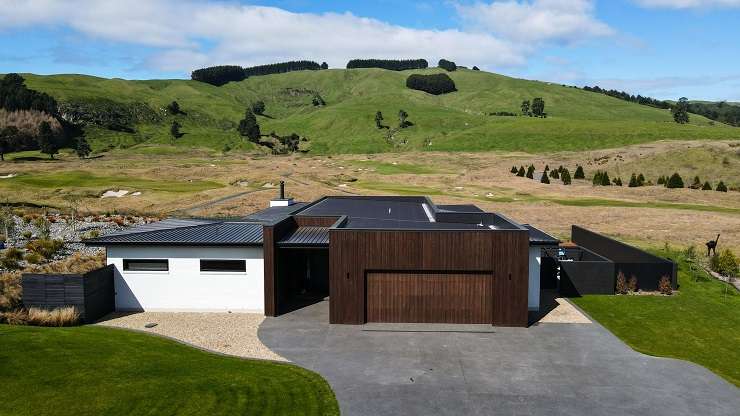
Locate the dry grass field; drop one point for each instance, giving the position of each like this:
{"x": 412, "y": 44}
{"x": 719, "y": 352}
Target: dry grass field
{"x": 175, "y": 181}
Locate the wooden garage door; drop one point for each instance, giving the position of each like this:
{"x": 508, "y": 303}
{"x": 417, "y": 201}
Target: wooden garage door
{"x": 429, "y": 297}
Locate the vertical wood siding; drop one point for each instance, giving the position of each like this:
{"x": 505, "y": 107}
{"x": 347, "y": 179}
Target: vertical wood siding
{"x": 430, "y": 297}
{"x": 503, "y": 254}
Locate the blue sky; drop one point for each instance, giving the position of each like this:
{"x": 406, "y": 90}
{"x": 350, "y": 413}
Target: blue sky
{"x": 662, "y": 48}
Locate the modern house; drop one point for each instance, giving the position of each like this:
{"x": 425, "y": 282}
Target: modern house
{"x": 377, "y": 258}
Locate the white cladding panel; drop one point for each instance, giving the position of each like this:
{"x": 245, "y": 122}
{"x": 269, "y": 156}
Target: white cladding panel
{"x": 535, "y": 257}
{"x": 184, "y": 287}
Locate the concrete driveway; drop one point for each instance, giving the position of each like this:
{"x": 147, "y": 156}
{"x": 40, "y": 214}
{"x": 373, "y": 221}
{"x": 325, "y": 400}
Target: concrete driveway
{"x": 547, "y": 369}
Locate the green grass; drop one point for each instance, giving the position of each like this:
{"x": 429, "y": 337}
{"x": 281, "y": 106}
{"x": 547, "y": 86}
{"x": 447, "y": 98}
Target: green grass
{"x": 701, "y": 323}
{"x": 102, "y": 371}
{"x": 83, "y": 179}
{"x": 578, "y": 120}
{"x": 398, "y": 189}
{"x": 598, "y": 202}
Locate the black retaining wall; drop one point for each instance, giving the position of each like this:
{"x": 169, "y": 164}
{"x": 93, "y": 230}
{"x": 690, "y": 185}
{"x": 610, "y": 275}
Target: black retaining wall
{"x": 586, "y": 273}
{"x": 629, "y": 260}
{"x": 91, "y": 293}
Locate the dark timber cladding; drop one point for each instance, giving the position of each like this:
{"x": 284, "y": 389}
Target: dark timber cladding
{"x": 356, "y": 254}
{"x": 463, "y": 298}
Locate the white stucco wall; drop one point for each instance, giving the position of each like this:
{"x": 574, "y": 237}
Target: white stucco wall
{"x": 184, "y": 287}
{"x": 535, "y": 257}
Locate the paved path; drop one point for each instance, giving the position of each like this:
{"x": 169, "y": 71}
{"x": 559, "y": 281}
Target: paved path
{"x": 547, "y": 369}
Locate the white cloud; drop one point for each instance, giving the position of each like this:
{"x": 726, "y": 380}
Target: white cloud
{"x": 190, "y": 34}
{"x": 687, "y": 4}
{"x": 537, "y": 20}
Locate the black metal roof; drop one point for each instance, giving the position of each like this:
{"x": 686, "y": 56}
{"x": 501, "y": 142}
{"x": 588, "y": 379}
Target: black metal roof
{"x": 308, "y": 236}
{"x": 275, "y": 214}
{"x": 381, "y": 208}
{"x": 538, "y": 237}
{"x": 189, "y": 232}
{"x": 459, "y": 208}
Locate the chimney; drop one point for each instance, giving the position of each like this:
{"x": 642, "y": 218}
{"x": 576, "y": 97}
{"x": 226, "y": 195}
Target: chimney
{"x": 281, "y": 200}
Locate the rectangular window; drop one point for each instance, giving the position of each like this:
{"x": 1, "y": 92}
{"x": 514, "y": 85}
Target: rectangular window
{"x": 146, "y": 265}
{"x": 234, "y": 266}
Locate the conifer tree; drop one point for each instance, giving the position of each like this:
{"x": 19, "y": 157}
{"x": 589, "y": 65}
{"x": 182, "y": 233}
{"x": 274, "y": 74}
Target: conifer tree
{"x": 521, "y": 171}
{"x": 544, "y": 178}
{"x": 633, "y": 181}
{"x": 675, "y": 181}
{"x": 707, "y": 186}
{"x": 579, "y": 173}
{"x": 721, "y": 187}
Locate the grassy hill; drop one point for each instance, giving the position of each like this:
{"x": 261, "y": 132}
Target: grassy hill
{"x": 577, "y": 120}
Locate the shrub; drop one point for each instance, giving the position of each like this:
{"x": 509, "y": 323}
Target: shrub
{"x": 514, "y": 170}
{"x": 76, "y": 263}
{"x": 449, "y": 66}
{"x": 27, "y": 234}
{"x": 674, "y": 181}
{"x": 64, "y": 316}
{"x": 707, "y": 186}
{"x": 10, "y": 290}
{"x": 724, "y": 263}
{"x": 721, "y": 187}
{"x": 34, "y": 258}
{"x": 632, "y": 284}
{"x": 258, "y": 107}
{"x": 11, "y": 259}
{"x": 544, "y": 178}
{"x": 435, "y": 84}
{"x": 664, "y": 285}
{"x": 521, "y": 171}
{"x": 43, "y": 226}
{"x": 661, "y": 180}
{"x": 579, "y": 173}
{"x": 45, "y": 248}
{"x": 621, "y": 288}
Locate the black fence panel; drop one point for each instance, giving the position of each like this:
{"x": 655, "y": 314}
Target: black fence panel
{"x": 92, "y": 293}
{"x": 586, "y": 278}
{"x": 647, "y": 268}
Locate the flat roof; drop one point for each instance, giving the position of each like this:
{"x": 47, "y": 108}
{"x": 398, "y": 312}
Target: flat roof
{"x": 375, "y": 208}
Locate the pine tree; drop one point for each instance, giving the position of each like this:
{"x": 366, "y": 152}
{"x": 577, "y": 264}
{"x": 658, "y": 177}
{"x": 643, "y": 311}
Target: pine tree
{"x": 579, "y": 173}
{"x": 514, "y": 170}
{"x": 544, "y": 178}
{"x": 520, "y": 172}
{"x": 661, "y": 180}
{"x": 174, "y": 108}
{"x": 402, "y": 116}
{"x": 641, "y": 180}
{"x": 525, "y": 108}
{"x": 248, "y": 127}
{"x": 547, "y": 167}
{"x": 633, "y": 181}
{"x": 175, "y": 130}
{"x": 675, "y": 181}
{"x": 530, "y": 172}
{"x": 82, "y": 147}
{"x": 538, "y": 107}
{"x": 565, "y": 176}
{"x": 696, "y": 184}
{"x": 680, "y": 111}
{"x": 597, "y": 178}
{"x": 47, "y": 140}
{"x": 707, "y": 186}
{"x": 721, "y": 187}
{"x": 617, "y": 181}
{"x": 8, "y": 139}
{"x": 605, "y": 179}
{"x": 379, "y": 124}
{"x": 324, "y": 65}
{"x": 554, "y": 174}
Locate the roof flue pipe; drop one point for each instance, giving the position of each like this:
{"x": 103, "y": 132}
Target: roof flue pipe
{"x": 281, "y": 200}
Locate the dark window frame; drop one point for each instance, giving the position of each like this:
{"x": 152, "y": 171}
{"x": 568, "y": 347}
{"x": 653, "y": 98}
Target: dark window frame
{"x": 240, "y": 266}
{"x": 128, "y": 262}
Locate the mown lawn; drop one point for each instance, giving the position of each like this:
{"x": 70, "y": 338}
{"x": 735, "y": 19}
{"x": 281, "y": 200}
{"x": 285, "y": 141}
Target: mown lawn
{"x": 701, "y": 323}
{"x": 103, "y": 371}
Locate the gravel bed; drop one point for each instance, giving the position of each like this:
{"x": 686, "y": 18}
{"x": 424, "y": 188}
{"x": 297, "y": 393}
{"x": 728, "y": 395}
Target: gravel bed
{"x": 564, "y": 313}
{"x": 227, "y": 333}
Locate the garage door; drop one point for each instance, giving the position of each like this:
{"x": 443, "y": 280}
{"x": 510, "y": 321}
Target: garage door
{"x": 429, "y": 297}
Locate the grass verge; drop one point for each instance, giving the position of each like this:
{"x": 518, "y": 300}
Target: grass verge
{"x": 700, "y": 323}
{"x": 103, "y": 371}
